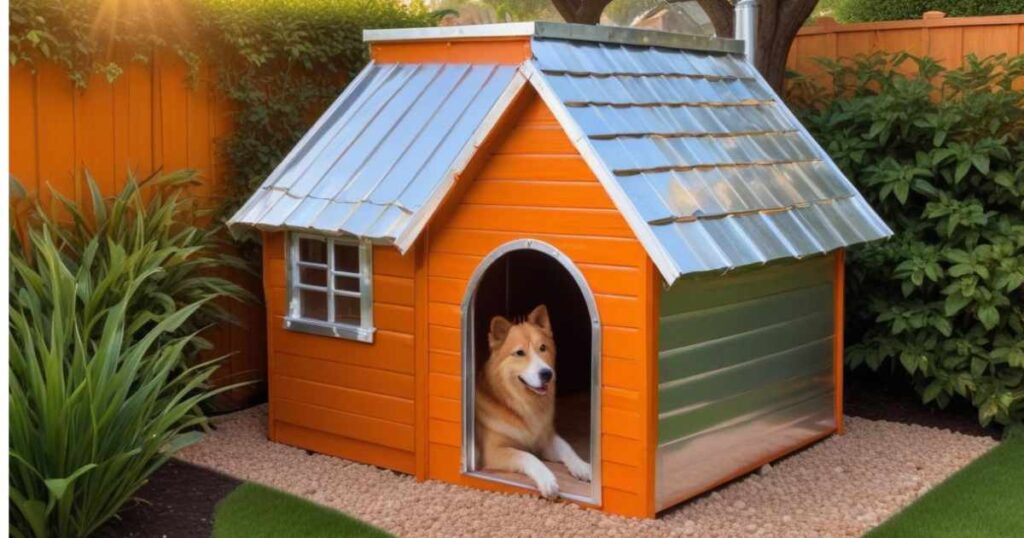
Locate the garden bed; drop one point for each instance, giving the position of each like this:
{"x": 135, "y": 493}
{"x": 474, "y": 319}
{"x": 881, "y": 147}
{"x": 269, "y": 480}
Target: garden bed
{"x": 842, "y": 486}
{"x": 178, "y": 500}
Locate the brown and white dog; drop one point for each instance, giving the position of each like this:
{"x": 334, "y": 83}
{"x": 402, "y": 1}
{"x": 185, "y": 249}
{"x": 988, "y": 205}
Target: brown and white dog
{"x": 515, "y": 403}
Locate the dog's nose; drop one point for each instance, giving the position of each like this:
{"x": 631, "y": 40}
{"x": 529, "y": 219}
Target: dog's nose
{"x": 546, "y": 375}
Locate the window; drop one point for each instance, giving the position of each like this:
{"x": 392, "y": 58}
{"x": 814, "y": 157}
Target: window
{"x": 331, "y": 287}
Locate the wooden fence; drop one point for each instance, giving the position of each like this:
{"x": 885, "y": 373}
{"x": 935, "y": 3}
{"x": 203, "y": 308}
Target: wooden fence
{"x": 947, "y": 39}
{"x": 151, "y": 118}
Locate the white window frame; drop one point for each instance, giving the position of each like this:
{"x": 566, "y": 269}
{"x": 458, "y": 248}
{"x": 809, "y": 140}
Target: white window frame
{"x": 293, "y": 319}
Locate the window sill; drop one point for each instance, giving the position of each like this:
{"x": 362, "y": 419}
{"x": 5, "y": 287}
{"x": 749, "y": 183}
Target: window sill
{"x": 348, "y": 332}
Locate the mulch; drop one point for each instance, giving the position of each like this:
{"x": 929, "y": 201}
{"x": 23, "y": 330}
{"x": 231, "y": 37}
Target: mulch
{"x": 178, "y": 501}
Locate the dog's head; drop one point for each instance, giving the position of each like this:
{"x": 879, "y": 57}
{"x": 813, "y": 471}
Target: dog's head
{"x": 524, "y": 352}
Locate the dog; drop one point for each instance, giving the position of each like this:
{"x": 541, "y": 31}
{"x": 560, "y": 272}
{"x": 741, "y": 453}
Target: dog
{"x": 515, "y": 404}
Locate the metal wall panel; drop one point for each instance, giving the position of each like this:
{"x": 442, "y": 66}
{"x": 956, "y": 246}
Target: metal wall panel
{"x": 744, "y": 370}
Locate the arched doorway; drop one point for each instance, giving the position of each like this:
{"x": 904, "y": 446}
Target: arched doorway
{"x": 510, "y": 282}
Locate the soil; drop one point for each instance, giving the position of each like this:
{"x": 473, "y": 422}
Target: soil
{"x": 882, "y": 396}
{"x": 178, "y": 501}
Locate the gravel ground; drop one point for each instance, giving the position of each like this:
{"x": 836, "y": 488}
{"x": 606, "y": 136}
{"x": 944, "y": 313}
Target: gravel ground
{"x": 841, "y": 486}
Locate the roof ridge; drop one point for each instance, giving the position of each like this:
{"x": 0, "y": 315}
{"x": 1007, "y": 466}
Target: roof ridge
{"x": 557, "y": 30}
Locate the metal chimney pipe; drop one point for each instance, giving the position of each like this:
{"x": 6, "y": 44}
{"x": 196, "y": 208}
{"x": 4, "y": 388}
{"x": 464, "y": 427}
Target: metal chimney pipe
{"x": 746, "y": 27}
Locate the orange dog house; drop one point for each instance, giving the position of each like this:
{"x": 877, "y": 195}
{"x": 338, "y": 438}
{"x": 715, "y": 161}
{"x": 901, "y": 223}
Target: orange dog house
{"x": 683, "y": 228}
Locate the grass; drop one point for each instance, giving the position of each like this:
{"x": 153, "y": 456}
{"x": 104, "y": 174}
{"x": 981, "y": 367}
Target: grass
{"x": 254, "y": 511}
{"x": 984, "y": 499}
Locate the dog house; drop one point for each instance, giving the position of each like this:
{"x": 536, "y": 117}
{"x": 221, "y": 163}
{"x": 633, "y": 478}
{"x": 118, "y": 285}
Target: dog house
{"x": 683, "y": 228}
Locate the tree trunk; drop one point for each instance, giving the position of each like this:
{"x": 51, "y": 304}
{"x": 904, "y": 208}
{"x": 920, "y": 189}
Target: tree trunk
{"x": 777, "y": 24}
{"x": 581, "y": 11}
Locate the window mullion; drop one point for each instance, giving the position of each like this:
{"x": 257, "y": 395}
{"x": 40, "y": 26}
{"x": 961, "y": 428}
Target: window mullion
{"x": 330, "y": 281}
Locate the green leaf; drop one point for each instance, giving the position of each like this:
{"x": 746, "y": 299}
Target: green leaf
{"x": 988, "y": 316}
{"x": 980, "y": 162}
{"x": 932, "y": 391}
{"x": 909, "y": 362}
{"x": 58, "y": 486}
{"x": 955, "y": 303}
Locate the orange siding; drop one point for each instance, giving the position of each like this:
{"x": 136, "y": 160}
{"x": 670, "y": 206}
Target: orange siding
{"x": 947, "y": 39}
{"x": 545, "y": 191}
{"x": 508, "y": 51}
{"x": 149, "y": 119}
{"x": 341, "y": 397}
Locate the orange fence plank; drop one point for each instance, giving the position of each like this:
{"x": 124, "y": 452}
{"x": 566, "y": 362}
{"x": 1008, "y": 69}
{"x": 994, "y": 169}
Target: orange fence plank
{"x": 55, "y": 122}
{"x": 947, "y": 39}
{"x": 23, "y": 143}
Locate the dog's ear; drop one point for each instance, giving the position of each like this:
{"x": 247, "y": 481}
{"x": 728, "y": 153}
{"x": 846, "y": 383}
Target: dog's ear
{"x": 499, "y": 331}
{"x": 539, "y": 317}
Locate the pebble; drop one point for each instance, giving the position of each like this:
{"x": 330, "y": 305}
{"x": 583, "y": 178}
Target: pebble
{"x": 840, "y": 487}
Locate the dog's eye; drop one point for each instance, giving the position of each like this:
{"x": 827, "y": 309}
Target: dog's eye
{"x": 519, "y": 353}
{"x": 542, "y": 348}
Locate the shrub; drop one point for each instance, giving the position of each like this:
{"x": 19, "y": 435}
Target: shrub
{"x": 894, "y": 10}
{"x": 90, "y": 417}
{"x": 155, "y": 218}
{"x": 940, "y": 154}
{"x": 105, "y": 312}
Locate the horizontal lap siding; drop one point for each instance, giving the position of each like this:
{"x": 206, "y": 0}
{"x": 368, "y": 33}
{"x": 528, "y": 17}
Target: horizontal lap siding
{"x": 745, "y": 371}
{"x": 341, "y": 397}
{"x": 535, "y": 185}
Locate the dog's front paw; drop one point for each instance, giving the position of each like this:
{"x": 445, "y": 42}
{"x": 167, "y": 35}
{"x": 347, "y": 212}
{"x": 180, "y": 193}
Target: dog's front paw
{"x": 546, "y": 483}
{"x": 579, "y": 469}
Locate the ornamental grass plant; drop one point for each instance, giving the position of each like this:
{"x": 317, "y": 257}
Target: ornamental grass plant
{"x": 106, "y": 313}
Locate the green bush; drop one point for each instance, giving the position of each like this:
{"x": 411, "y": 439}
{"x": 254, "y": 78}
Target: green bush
{"x": 895, "y": 10}
{"x": 940, "y": 155}
{"x": 104, "y": 385}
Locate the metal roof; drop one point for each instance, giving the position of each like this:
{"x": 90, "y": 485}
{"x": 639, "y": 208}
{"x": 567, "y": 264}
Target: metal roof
{"x": 380, "y": 159}
{"x": 705, "y": 162}
{"x": 703, "y": 159}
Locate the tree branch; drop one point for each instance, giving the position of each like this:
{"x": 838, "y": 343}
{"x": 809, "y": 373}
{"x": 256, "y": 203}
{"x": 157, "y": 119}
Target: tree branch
{"x": 721, "y": 14}
{"x": 581, "y": 11}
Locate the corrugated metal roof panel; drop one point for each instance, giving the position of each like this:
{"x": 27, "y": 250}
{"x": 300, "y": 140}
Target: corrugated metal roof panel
{"x": 385, "y": 146}
{"x": 706, "y": 163}
{"x": 710, "y": 167}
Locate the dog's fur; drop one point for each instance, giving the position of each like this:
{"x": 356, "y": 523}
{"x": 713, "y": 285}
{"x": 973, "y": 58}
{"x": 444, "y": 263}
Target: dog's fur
{"x": 515, "y": 403}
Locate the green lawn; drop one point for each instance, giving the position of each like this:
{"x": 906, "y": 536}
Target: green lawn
{"x": 254, "y": 511}
{"x": 984, "y": 499}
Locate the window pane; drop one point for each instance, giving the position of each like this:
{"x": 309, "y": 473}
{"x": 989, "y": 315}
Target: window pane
{"x": 346, "y": 258}
{"x": 313, "y": 304}
{"x": 314, "y": 276}
{"x": 346, "y": 310}
{"x": 346, "y": 283}
{"x": 313, "y": 250}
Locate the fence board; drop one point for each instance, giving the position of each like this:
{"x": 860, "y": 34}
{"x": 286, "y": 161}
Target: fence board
{"x": 149, "y": 118}
{"x": 947, "y": 39}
